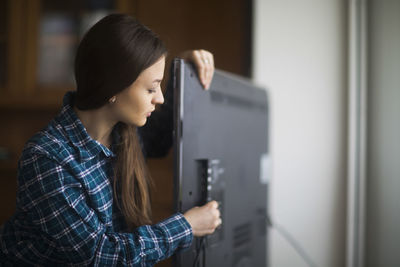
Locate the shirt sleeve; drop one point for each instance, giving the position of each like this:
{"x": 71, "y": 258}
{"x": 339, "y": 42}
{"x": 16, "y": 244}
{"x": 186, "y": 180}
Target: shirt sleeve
{"x": 65, "y": 229}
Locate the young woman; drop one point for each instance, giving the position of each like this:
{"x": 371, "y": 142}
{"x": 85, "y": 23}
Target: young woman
{"x": 83, "y": 187}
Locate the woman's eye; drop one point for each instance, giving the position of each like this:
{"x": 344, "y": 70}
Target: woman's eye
{"x": 151, "y": 91}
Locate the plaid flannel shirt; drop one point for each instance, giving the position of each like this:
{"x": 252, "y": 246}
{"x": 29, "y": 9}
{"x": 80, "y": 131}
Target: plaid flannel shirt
{"x": 65, "y": 211}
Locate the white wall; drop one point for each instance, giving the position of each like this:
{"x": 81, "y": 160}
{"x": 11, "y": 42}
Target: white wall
{"x": 383, "y": 197}
{"x": 300, "y": 56}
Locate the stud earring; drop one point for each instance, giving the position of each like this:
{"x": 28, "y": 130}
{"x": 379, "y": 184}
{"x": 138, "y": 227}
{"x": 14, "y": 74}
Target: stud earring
{"x": 112, "y": 100}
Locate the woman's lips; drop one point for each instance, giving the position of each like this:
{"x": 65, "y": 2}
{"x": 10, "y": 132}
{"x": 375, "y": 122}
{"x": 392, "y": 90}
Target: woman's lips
{"x": 149, "y": 113}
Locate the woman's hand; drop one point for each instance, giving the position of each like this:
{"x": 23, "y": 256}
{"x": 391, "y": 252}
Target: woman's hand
{"x": 205, "y": 219}
{"x": 204, "y": 62}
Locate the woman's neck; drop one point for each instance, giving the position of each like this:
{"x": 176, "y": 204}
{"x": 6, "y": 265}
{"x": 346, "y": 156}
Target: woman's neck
{"x": 98, "y": 124}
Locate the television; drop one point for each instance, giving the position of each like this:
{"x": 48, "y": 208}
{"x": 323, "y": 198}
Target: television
{"x": 221, "y": 153}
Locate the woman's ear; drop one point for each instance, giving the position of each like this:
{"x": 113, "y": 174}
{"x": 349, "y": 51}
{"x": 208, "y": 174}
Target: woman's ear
{"x": 112, "y": 100}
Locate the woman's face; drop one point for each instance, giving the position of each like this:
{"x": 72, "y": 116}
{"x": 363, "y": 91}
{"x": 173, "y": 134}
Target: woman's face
{"x": 134, "y": 104}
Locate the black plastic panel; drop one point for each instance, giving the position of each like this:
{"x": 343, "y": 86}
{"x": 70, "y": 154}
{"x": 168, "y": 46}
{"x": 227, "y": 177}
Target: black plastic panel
{"x": 221, "y": 137}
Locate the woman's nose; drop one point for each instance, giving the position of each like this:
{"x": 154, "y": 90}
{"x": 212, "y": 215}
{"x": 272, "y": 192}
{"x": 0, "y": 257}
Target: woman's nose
{"x": 158, "y": 97}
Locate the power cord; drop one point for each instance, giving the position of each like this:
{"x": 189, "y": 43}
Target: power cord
{"x": 200, "y": 249}
{"x": 201, "y": 246}
{"x": 289, "y": 238}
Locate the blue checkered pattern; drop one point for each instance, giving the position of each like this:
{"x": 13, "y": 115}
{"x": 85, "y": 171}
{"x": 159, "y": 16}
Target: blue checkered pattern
{"x": 65, "y": 210}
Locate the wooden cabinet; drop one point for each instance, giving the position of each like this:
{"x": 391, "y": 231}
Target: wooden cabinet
{"x": 220, "y": 26}
{"x": 3, "y": 41}
{"x": 39, "y": 43}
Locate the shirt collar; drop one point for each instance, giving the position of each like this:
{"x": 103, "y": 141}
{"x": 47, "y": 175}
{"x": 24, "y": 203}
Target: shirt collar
{"x": 76, "y": 132}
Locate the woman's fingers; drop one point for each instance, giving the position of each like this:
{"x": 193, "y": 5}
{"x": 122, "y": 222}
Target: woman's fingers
{"x": 204, "y": 220}
{"x": 207, "y": 68}
{"x": 204, "y": 62}
{"x": 200, "y": 64}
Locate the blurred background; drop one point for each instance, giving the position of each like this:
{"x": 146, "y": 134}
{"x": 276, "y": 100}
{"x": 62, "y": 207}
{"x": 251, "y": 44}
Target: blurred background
{"x": 332, "y": 72}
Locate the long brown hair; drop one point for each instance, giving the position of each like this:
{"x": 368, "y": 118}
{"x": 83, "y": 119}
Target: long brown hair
{"x": 109, "y": 59}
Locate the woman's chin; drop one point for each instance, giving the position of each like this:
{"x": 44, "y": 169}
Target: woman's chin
{"x": 141, "y": 123}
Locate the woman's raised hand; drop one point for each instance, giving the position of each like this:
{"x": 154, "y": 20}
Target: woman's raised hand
{"x": 204, "y": 62}
{"x": 205, "y": 219}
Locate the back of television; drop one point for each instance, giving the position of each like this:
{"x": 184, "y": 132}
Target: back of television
{"x": 221, "y": 153}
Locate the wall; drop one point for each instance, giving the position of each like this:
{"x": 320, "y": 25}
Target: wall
{"x": 222, "y": 27}
{"x": 383, "y": 198}
{"x": 300, "y": 56}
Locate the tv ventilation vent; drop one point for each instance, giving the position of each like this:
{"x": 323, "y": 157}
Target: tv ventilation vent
{"x": 241, "y": 235}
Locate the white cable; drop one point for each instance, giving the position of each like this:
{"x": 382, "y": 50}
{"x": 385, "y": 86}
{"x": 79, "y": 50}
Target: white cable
{"x": 289, "y": 238}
